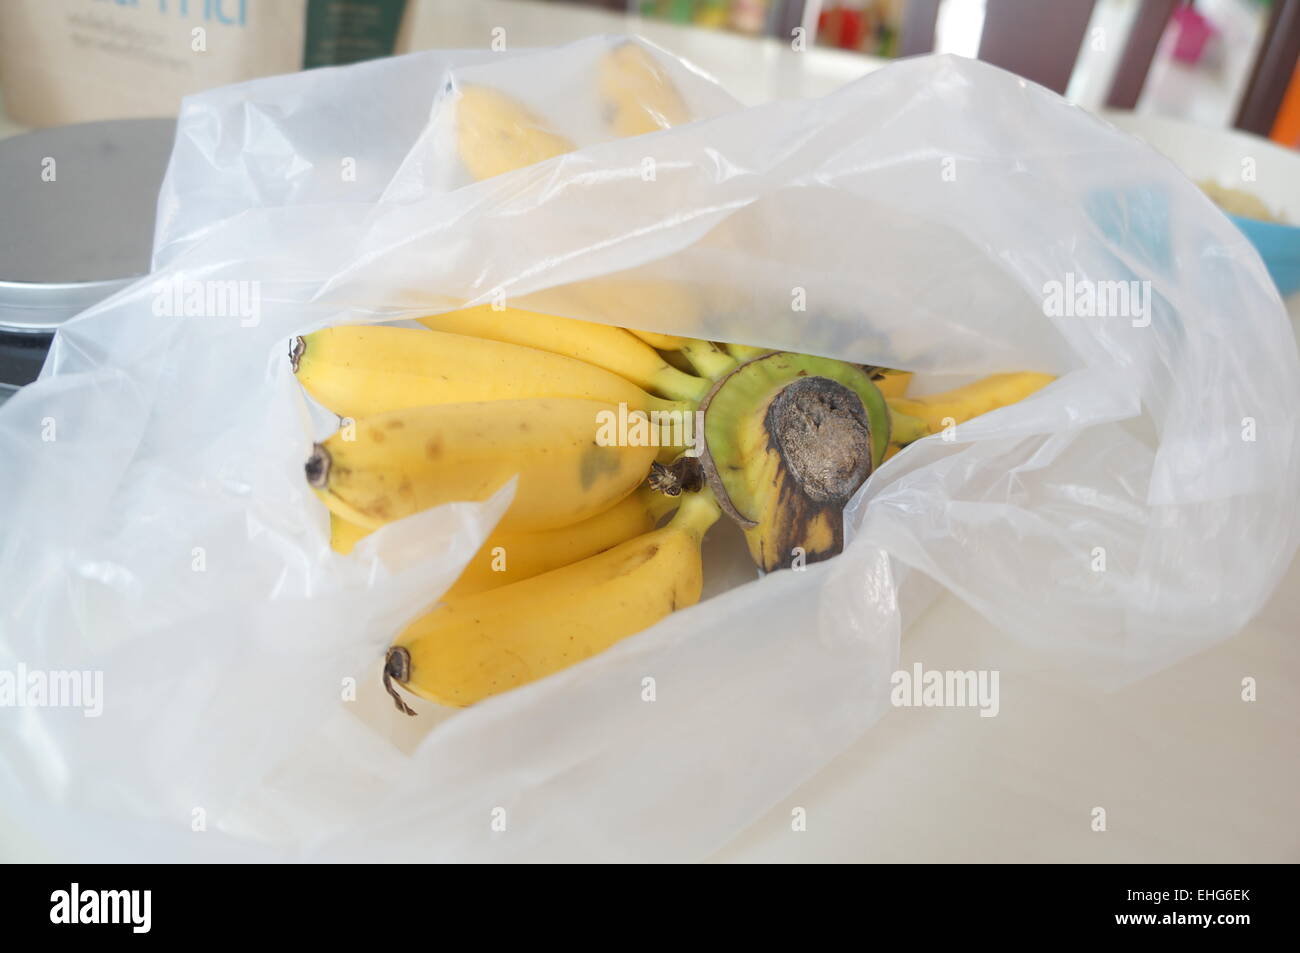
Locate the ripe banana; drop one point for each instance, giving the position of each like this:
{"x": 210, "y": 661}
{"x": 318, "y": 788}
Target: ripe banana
{"x": 961, "y": 404}
{"x": 600, "y": 344}
{"x": 891, "y": 383}
{"x": 344, "y": 534}
{"x": 664, "y": 342}
{"x": 497, "y": 134}
{"x": 405, "y": 461}
{"x": 506, "y": 557}
{"x": 362, "y": 370}
{"x": 638, "y": 94}
{"x": 471, "y": 647}
{"x": 632, "y": 302}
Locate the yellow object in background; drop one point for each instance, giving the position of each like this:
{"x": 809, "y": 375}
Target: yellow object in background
{"x": 640, "y": 96}
{"x": 497, "y": 134}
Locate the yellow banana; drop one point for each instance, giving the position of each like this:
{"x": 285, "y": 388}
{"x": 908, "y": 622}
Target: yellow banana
{"x": 507, "y": 557}
{"x": 891, "y": 383}
{"x": 469, "y": 648}
{"x": 344, "y": 534}
{"x": 600, "y": 344}
{"x": 361, "y": 370}
{"x": 962, "y": 403}
{"x": 664, "y": 342}
{"x": 633, "y": 302}
{"x": 496, "y": 134}
{"x": 639, "y": 96}
{"x": 405, "y": 461}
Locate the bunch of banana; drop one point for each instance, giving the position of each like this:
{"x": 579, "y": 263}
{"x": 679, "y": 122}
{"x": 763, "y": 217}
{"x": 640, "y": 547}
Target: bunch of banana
{"x": 479, "y": 396}
{"x": 439, "y": 416}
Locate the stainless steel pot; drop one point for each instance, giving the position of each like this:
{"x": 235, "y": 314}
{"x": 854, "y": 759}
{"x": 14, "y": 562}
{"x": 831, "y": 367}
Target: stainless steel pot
{"x": 77, "y": 207}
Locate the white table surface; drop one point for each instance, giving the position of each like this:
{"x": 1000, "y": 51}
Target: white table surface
{"x": 1186, "y": 770}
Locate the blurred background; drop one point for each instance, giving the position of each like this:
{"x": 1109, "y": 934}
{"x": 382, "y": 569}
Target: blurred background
{"x": 96, "y": 84}
{"x": 1215, "y": 62}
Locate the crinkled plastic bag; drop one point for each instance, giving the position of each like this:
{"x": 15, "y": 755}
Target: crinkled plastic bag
{"x": 157, "y": 527}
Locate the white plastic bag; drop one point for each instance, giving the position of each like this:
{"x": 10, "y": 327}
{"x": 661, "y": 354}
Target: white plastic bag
{"x": 157, "y": 527}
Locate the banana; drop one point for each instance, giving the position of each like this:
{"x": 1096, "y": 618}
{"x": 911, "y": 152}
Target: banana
{"x": 639, "y": 96}
{"x": 405, "y": 461}
{"x": 662, "y": 342}
{"x": 961, "y": 404}
{"x": 507, "y": 557}
{"x": 891, "y": 383}
{"x": 612, "y": 348}
{"x": 630, "y": 302}
{"x": 472, "y": 647}
{"x": 362, "y": 370}
{"x": 496, "y": 134}
{"x": 344, "y": 534}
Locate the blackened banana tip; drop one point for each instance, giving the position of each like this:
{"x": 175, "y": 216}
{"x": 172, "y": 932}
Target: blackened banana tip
{"x": 318, "y": 467}
{"x": 397, "y": 668}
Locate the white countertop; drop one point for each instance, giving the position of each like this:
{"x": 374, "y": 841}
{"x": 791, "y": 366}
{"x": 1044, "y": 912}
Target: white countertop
{"x": 1186, "y": 770}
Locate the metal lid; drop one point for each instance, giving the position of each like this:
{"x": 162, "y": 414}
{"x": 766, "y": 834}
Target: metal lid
{"x": 78, "y": 216}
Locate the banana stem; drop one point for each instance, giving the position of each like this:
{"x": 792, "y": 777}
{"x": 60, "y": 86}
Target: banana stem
{"x": 696, "y": 513}
{"x": 397, "y": 668}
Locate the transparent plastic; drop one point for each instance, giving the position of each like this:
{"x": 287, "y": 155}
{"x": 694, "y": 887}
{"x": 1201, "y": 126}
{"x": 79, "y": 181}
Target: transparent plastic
{"x": 157, "y": 527}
